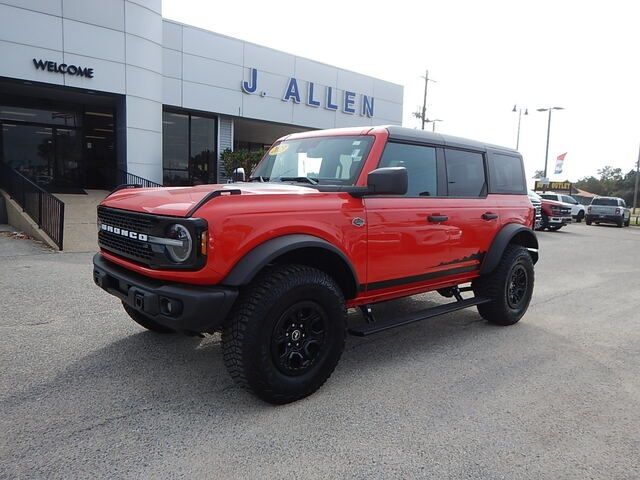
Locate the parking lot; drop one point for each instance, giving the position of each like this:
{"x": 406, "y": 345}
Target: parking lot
{"x": 85, "y": 393}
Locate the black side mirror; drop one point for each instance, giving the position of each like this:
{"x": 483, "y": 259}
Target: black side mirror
{"x": 388, "y": 181}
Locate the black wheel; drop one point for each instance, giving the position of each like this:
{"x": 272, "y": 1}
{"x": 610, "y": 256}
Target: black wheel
{"x": 286, "y": 333}
{"x": 627, "y": 223}
{"x": 587, "y": 221}
{"x": 509, "y": 287}
{"x": 579, "y": 217}
{"x": 554, "y": 228}
{"x": 545, "y": 222}
{"x": 620, "y": 223}
{"x": 144, "y": 321}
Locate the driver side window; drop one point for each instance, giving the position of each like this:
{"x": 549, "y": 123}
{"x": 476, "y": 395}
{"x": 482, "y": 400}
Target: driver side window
{"x": 420, "y": 163}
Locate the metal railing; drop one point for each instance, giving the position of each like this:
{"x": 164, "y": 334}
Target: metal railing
{"x": 128, "y": 177}
{"x": 45, "y": 209}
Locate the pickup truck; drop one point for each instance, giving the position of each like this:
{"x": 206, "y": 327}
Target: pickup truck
{"x": 555, "y": 215}
{"x": 608, "y": 210}
{"x": 577, "y": 209}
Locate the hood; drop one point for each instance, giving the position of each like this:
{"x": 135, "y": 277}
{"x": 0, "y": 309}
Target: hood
{"x": 554, "y": 202}
{"x": 177, "y": 201}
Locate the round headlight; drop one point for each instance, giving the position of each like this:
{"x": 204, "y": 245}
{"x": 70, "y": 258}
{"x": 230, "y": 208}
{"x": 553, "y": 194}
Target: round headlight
{"x": 180, "y": 250}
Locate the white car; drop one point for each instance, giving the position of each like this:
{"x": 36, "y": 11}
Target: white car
{"x": 577, "y": 209}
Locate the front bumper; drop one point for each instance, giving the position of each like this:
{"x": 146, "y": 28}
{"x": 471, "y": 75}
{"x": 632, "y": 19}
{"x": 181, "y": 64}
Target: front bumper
{"x": 559, "y": 220}
{"x": 185, "y": 308}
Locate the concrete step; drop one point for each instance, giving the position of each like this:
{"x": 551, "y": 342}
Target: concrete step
{"x": 80, "y": 232}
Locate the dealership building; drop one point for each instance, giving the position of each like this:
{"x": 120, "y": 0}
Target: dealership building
{"x": 88, "y": 87}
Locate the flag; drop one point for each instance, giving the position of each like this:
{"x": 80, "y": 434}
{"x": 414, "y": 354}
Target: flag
{"x": 559, "y": 163}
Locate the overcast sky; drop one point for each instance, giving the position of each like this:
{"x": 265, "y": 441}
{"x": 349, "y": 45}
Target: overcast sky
{"x": 485, "y": 55}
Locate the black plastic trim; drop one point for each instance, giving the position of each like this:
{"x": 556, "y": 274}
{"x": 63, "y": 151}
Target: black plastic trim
{"x": 500, "y": 242}
{"x": 211, "y": 195}
{"x": 248, "y": 267}
{"x": 416, "y": 278}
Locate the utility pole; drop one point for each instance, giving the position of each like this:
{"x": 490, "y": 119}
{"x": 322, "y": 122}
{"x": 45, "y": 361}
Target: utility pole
{"x": 424, "y": 99}
{"x": 546, "y": 155}
{"x": 635, "y": 191}
{"x": 518, "y": 109}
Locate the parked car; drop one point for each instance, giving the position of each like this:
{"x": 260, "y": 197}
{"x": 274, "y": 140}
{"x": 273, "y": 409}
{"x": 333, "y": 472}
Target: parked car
{"x": 608, "y": 210}
{"x": 555, "y": 215}
{"x": 536, "y": 201}
{"x": 577, "y": 209}
{"x": 328, "y": 220}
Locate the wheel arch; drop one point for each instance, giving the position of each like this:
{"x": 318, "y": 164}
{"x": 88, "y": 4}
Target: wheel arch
{"x": 299, "y": 249}
{"x": 512, "y": 233}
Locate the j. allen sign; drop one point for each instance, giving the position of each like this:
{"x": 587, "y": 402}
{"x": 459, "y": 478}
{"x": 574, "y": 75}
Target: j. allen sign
{"x": 314, "y": 97}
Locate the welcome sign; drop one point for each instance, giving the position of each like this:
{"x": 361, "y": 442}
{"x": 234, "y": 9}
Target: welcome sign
{"x": 316, "y": 95}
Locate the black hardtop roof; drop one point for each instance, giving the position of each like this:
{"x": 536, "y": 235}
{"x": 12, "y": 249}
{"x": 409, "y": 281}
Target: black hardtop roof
{"x": 422, "y": 136}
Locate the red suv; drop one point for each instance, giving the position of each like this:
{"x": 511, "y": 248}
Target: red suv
{"x": 329, "y": 220}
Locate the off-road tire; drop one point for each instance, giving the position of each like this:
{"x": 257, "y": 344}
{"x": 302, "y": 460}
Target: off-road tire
{"x": 146, "y": 322}
{"x": 495, "y": 286}
{"x": 249, "y": 335}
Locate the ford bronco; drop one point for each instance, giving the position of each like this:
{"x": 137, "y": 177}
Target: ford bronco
{"x": 328, "y": 220}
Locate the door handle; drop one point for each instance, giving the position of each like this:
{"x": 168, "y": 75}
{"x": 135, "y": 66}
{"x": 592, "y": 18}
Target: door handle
{"x": 489, "y": 216}
{"x": 437, "y": 218}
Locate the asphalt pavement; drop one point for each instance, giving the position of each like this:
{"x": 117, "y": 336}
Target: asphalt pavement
{"x": 86, "y": 393}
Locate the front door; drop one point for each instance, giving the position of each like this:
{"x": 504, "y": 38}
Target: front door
{"x": 407, "y": 241}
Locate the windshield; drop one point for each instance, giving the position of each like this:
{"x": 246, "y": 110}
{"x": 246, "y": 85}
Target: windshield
{"x": 611, "y": 202}
{"x": 319, "y": 160}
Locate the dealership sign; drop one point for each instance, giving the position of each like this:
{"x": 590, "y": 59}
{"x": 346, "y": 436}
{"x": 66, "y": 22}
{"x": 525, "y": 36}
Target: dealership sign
{"x": 64, "y": 68}
{"x": 316, "y": 95}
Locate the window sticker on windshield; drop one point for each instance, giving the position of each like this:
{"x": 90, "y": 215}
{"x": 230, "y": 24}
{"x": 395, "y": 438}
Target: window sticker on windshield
{"x": 276, "y": 149}
{"x": 355, "y": 152}
{"x": 356, "y": 142}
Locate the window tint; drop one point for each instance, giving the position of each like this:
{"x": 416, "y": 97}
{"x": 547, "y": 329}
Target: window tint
{"x": 420, "y": 163}
{"x": 465, "y": 173}
{"x": 611, "y": 202}
{"x": 506, "y": 174}
{"x": 549, "y": 196}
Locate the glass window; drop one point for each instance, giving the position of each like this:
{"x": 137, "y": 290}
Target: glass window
{"x": 568, "y": 199}
{"x": 420, "y": 163}
{"x": 506, "y": 174}
{"x": 203, "y": 134}
{"x": 188, "y": 148}
{"x": 550, "y": 196}
{"x": 34, "y": 115}
{"x": 465, "y": 173}
{"x": 326, "y": 160}
{"x": 609, "y": 202}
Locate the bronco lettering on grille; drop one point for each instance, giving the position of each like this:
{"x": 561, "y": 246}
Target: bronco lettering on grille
{"x": 124, "y": 233}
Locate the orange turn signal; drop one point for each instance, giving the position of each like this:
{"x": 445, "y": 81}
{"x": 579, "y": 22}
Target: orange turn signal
{"x": 204, "y": 241}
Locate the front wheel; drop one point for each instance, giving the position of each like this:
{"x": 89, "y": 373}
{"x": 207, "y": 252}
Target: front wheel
{"x": 579, "y": 217}
{"x": 509, "y": 287}
{"x": 286, "y": 333}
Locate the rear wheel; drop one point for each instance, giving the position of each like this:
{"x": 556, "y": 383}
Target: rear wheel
{"x": 286, "y": 333}
{"x": 509, "y": 287}
{"x": 579, "y": 217}
{"x": 145, "y": 321}
{"x": 620, "y": 223}
{"x": 588, "y": 222}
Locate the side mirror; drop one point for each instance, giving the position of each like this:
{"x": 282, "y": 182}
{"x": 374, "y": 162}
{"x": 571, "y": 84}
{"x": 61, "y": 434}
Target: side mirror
{"x": 238, "y": 175}
{"x": 388, "y": 181}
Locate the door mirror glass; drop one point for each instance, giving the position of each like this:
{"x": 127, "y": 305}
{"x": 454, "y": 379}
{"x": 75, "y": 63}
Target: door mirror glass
{"x": 388, "y": 181}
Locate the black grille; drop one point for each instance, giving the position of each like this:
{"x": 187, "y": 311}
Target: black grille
{"x": 131, "y": 222}
{"x": 124, "y": 246}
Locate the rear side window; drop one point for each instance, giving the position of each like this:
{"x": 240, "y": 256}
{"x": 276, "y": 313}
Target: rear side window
{"x": 420, "y": 163}
{"x": 506, "y": 174}
{"x": 465, "y": 173}
{"x": 568, "y": 199}
{"x": 609, "y": 202}
{"x": 549, "y": 196}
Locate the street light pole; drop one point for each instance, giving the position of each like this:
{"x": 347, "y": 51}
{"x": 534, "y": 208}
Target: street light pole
{"x": 519, "y": 110}
{"x": 546, "y": 155}
{"x": 424, "y": 99}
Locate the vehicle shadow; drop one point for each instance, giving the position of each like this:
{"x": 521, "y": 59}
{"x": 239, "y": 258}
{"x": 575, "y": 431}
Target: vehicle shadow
{"x": 175, "y": 373}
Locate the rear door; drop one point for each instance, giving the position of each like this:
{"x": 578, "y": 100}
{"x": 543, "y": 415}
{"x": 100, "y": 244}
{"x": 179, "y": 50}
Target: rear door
{"x": 473, "y": 216}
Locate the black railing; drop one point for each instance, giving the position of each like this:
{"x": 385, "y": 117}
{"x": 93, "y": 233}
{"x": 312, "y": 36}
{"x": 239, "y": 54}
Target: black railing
{"x": 128, "y": 177}
{"x": 45, "y": 209}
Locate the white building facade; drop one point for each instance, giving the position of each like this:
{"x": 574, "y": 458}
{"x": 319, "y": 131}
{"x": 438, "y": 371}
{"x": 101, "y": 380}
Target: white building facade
{"x": 91, "y": 86}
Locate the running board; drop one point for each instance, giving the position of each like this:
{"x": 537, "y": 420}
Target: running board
{"x": 371, "y": 328}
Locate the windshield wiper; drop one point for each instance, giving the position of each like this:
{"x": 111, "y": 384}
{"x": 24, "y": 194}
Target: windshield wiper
{"x": 298, "y": 179}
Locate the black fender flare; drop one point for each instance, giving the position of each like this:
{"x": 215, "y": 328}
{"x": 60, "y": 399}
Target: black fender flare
{"x": 248, "y": 267}
{"x": 510, "y": 233}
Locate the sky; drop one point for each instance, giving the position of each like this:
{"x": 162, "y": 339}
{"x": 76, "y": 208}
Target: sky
{"x": 485, "y": 56}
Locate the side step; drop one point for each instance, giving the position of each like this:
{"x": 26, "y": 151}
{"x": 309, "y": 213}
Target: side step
{"x": 370, "y": 328}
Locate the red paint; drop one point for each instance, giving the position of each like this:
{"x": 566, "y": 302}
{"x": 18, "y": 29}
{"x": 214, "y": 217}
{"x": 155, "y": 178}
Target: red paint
{"x": 396, "y": 242}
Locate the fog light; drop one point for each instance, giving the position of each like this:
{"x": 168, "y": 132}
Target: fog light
{"x": 170, "y": 307}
